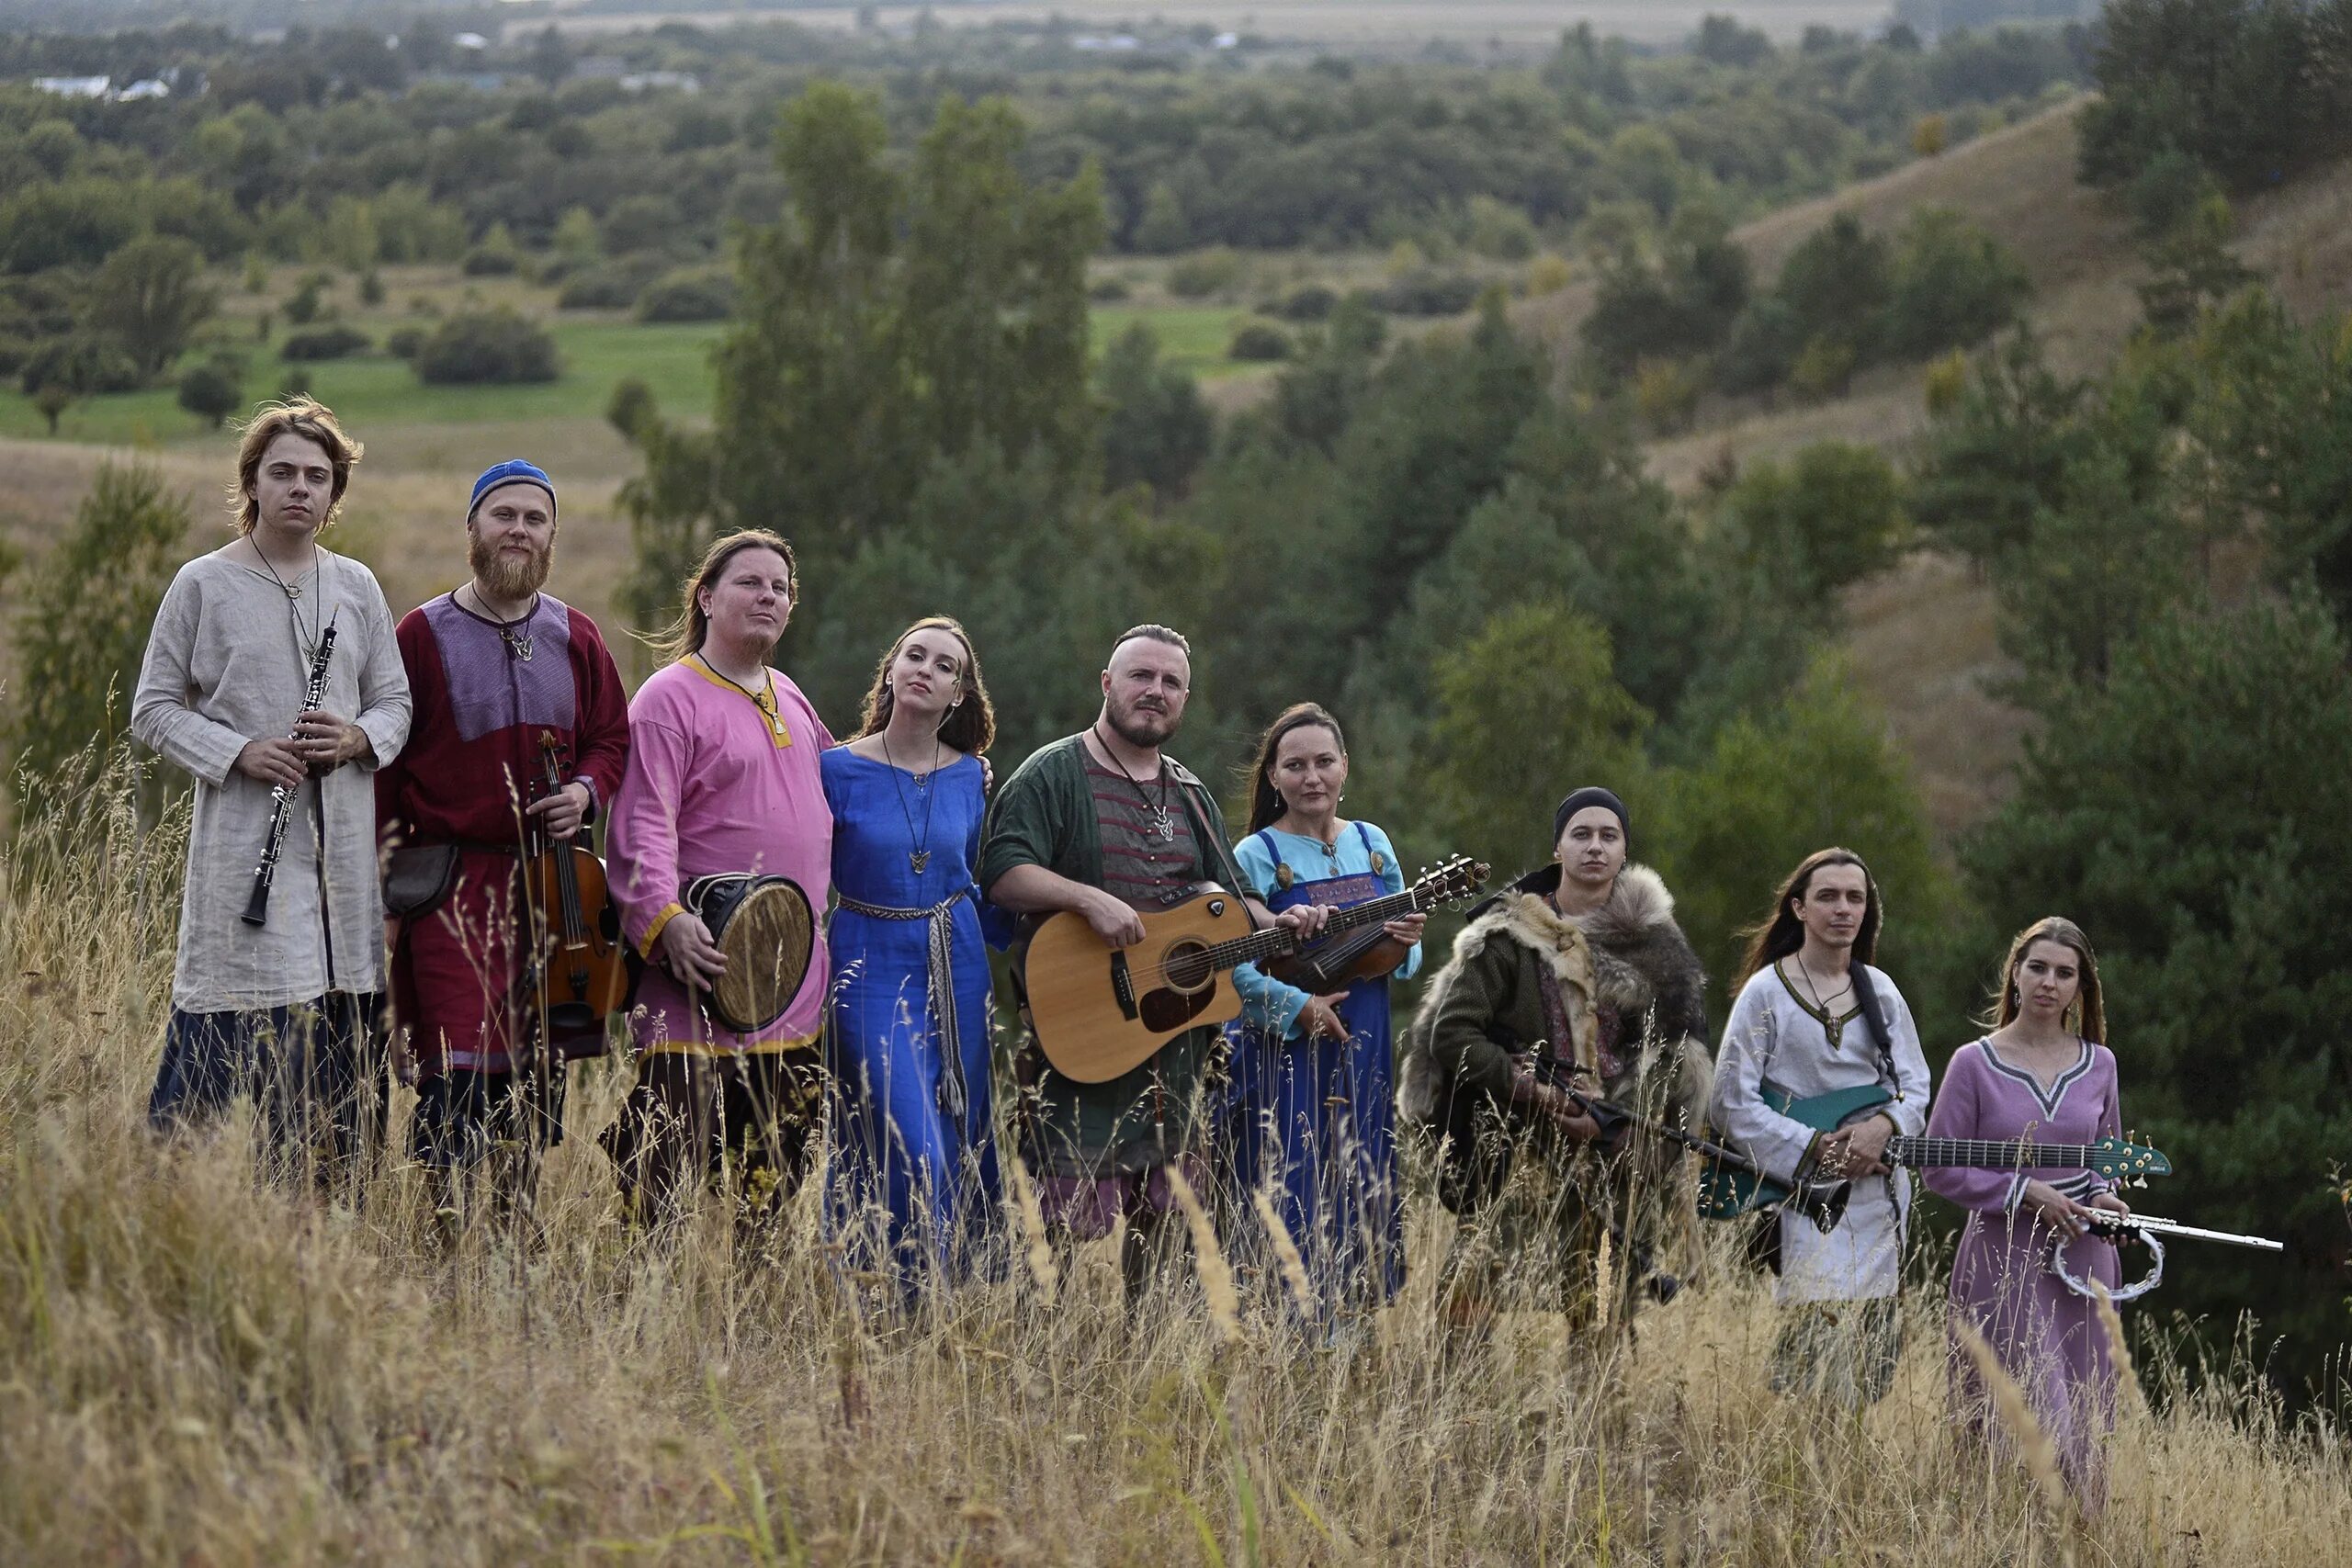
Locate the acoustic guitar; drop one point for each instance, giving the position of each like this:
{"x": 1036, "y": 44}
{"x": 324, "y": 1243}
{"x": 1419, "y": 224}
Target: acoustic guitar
{"x": 1100, "y": 1011}
{"x": 1726, "y": 1193}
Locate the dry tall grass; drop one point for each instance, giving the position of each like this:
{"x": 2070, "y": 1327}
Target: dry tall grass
{"x": 198, "y": 1372}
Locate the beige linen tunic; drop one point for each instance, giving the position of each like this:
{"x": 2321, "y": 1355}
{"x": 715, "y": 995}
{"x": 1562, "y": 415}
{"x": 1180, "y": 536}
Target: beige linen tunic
{"x": 225, "y": 666}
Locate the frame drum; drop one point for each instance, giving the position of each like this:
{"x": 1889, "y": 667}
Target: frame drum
{"x": 768, "y": 932}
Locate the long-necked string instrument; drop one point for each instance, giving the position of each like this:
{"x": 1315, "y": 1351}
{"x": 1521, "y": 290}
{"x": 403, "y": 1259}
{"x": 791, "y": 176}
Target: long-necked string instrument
{"x": 1822, "y": 1202}
{"x": 313, "y": 694}
{"x": 574, "y": 971}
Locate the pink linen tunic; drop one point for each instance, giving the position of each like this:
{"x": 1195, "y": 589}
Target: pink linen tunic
{"x": 718, "y": 783}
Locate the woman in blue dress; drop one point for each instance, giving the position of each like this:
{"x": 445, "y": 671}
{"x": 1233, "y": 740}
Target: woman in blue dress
{"x": 913, "y": 1184}
{"x": 1313, "y": 1085}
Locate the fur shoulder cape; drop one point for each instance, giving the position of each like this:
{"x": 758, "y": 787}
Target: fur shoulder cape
{"x": 1634, "y": 960}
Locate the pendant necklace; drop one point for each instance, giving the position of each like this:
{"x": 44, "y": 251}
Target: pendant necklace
{"x": 518, "y": 644}
{"x": 920, "y": 856}
{"x": 1833, "y": 1026}
{"x": 771, "y": 712}
{"x": 307, "y": 642}
{"x": 1164, "y": 827}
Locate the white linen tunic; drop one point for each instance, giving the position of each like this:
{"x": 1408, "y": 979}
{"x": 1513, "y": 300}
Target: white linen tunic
{"x": 1774, "y": 1036}
{"x": 225, "y": 666}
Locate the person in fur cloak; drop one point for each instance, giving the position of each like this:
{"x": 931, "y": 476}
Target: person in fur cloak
{"x": 1577, "y": 972}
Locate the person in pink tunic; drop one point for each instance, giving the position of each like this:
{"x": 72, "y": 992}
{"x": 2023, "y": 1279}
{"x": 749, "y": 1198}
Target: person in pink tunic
{"x": 2044, "y": 1074}
{"x": 722, "y": 777}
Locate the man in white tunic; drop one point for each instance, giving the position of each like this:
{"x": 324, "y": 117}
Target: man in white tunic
{"x": 282, "y": 1007}
{"x": 1813, "y": 1017}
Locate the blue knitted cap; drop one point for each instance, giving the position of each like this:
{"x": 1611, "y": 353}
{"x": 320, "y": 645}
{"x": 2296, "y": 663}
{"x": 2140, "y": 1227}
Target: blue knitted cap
{"x": 514, "y": 471}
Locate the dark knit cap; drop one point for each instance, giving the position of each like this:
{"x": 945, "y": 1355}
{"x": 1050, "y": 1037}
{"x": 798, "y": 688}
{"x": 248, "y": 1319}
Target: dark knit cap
{"x": 1591, "y": 795}
{"x": 513, "y": 471}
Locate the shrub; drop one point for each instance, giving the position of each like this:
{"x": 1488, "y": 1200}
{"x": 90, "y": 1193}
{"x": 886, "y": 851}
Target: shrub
{"x": 1428, "y": 292}
{"x": 613, "y": 287}
{"x": 325, "y": 343}
{"x": 1548, "y": 275}
{"x": 1204, "y": 273}
{"x": 1666, "y": 393}
{"x": 303, "y": 308}
{"x": 1954, "y": 284}
{"x": 699, "y": 294}
{"x": 484, "y": 261}
{"x": 1825, "y": 367}
{"x": 404, "y": 342}
{"x": 1258, "y": 341}
{"x": 642, "y": 223}
{"x": 83, "y": 364}
{"x": 1309, "y": 302}
{"x": 99, "y": 587}
{"x": 213, "y": 390}
{"x": 1500, "y": 231}
{"x": 632, "y": 408}
{"x": 1109, "y": 291}
{"x": 488, "y": 346}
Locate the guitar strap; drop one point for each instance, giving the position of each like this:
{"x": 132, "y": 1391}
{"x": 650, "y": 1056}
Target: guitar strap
{"x": 1874, "y": 1014}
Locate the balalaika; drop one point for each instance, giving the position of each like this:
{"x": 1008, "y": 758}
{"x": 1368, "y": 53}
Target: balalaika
{"x": 257, "y": 905}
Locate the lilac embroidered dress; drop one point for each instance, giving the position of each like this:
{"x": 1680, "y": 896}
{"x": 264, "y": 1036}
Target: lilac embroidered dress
{"x": 2049, "y": 1338}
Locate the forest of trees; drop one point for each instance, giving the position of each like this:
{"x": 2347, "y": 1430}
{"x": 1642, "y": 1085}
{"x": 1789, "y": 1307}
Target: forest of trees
{"x": 331, "y": 148}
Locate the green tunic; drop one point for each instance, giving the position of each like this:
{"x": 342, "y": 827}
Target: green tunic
{"x": 1044, "y": 816}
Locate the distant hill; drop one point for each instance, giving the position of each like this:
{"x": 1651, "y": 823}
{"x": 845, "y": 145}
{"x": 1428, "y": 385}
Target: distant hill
{"x": 1923, "y": 633}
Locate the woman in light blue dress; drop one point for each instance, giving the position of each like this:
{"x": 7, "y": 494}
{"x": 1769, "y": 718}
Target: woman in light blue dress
{"x": 1315, "y": 1094}
{"x": 912, "y": 1185}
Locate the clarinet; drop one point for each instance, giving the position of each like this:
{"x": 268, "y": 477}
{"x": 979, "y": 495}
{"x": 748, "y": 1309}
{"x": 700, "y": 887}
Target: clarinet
{"x": 257, "y": 905}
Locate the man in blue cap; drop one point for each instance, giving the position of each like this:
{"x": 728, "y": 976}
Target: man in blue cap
{"x": 497, "y": 667}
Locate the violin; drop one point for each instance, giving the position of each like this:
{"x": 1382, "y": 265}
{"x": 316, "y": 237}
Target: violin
{"x": 582, "y": 971}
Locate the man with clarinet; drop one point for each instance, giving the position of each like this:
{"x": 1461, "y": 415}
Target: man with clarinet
{"x": 272, "y": 677}
{"x": 508, "y": 681}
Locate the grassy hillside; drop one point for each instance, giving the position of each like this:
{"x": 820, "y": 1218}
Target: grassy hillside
{"x": 204, "y": 1372}
{"x": 1924, "y": 632}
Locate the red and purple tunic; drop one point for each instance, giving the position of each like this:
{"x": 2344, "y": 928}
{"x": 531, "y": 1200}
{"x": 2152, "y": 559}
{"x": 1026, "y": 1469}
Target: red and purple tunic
{"x": 485, "y": 695}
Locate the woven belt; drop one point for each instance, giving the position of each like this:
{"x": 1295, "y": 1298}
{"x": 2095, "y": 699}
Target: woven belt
{"x": 941, "y": 979}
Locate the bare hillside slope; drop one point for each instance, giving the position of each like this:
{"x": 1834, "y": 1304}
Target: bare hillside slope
{"x": 1922, "y": 635}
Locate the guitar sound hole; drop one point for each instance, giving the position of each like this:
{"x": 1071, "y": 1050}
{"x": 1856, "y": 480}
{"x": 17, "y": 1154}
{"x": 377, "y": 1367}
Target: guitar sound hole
{"x": 1187, "y": 966}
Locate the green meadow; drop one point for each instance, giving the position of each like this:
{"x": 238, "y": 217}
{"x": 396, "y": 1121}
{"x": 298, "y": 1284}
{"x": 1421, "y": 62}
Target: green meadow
{"x": 377, "y": 390}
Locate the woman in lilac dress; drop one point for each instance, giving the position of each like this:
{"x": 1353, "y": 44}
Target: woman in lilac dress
{"x": 2045, "y": 1074}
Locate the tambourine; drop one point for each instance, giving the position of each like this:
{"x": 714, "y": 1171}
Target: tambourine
{"x": 767, "y": 931}
{"x": 2122, "y": 1293}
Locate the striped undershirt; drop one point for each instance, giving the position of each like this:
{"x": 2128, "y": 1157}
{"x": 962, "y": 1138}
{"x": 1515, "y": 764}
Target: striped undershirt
{"x": 1137, "y": 865}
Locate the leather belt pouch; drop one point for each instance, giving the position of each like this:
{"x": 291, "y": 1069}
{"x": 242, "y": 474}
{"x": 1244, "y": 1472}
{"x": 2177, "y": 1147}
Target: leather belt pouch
{"x": 417, "y": 878}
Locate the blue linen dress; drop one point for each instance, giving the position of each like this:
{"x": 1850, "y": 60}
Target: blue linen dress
{"x": 1314, "y": 1120}
{"x": 912, "y": 1185}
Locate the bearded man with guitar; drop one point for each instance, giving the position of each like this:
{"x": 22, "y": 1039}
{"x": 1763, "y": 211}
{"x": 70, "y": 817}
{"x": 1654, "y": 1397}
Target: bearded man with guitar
{"x": 519, "y": 742}
{"x": 1105, "y": 826}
